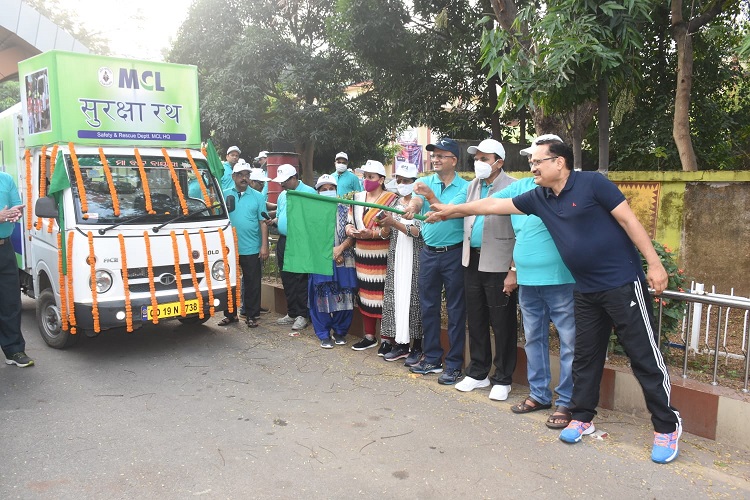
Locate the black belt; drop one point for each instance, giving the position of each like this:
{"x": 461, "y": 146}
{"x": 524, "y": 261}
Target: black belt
{"x": 443, "y": 249}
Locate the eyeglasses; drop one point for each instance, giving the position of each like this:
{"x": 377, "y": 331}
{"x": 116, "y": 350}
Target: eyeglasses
{"x": 440, "y": 157}
{"x": 536, "y": 163}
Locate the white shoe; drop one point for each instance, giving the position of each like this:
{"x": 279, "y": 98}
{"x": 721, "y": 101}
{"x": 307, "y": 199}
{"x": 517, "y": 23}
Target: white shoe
{"x": 300, "y": 323}
{"x": 286, "y": 320}
{"x": 499, "y": 392}
{"x": 468, "y": 384}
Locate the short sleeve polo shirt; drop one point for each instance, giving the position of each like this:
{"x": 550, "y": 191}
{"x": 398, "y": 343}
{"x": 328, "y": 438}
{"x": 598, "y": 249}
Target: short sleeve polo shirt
{"x": 451, "y": 231}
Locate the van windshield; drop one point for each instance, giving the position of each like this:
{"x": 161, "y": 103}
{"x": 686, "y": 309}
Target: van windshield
{"x": 133, "y": 198}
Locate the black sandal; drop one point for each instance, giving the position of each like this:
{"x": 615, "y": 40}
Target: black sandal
{"x": 226, "y": 321}
{"x": 530, "y": 404}
{"x": 560, "y": 418}
{"x": 251, "y": 323}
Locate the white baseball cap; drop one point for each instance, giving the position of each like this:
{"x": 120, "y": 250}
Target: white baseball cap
{"x": 544, "y": 137}
{"x": 284, "y": 172}
{"x": 257, "y": 174}
{"x": 341, "y": 155}
{"x": 488, "y": 146}
{"x": 407, "y": 170}
{"x": 234, "y": 148}
{"x": 373, "y": 166}
{"x": 241, "y": 166}
{"x": 326, "y": 179}
{"x": 262, "y": 154}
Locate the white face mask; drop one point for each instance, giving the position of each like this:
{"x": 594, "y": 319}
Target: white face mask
{"x": 482, "y": 170}
{"x": 332, "y": 194}
{"x": 405, "y": 189}
{"x": 341, "y": 167}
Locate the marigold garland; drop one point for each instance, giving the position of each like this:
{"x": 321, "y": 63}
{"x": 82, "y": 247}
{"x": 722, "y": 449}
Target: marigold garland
{"x": 199, "y": 177}
{"x": 177, "y": 272}
{"x": 144, "y": 182}
{"x": 71, "y": 295}
{"x": 110, "y": 183}
{"x": 79, "y": 181}
{"x": 207, "y": 274}
{"x": 238, "y": 285}
{"x": 176, "y": 181}
{"x": 94, "y": 297}
{"x": 61, "y": 277}
{"x": 128, "y": 305}
{"x": 151, "y": 286}
{"x": 225, "y": 258}
{"x": 29, "y": 194}
{"x": 198, "y": 294}
{"x": 42, "y": 183}
{"x": 52, "y": 161}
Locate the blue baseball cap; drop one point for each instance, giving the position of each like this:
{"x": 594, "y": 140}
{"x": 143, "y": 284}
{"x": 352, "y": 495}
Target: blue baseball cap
{"x": 446, "y": 144}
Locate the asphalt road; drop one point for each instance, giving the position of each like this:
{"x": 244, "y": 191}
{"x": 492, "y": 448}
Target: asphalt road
{"x": 228, "y": 412}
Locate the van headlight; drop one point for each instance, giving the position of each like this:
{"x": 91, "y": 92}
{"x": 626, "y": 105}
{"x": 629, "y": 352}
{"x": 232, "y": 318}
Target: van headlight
{"x": 217, "y": 271}
{"x": 103, "y": 281}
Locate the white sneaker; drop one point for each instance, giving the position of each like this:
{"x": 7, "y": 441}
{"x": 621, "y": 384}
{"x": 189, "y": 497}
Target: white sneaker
{"x": 300, "y": 323}
{"x": 499, "y": 392}
{"x": 468, "y": 384}
{"x": 286, "y": 320}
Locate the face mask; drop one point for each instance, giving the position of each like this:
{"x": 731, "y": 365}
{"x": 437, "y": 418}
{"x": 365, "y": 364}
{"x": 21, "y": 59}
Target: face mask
{"x": 370, "y": 185}
{"x": 405, "y": 189}
{"x": 341, "y": 167}
{"x": 482, "y": 170}
{"x": 332, "y": 194}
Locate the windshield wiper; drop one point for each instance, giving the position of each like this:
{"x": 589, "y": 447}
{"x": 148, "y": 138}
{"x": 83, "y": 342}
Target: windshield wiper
{"x": 124, "y": 221}
{"x": 185, "y": 216}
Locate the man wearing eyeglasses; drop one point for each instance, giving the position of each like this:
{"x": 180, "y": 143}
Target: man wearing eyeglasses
{"x": 598, "y": 237}
{"x": 440, "y": 265}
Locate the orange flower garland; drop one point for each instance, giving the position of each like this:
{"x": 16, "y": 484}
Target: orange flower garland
{"x": 71, "y": 296}
{"x": 92, "y": 264}
{"x": 225, "y": 257}
{"x": 29, "y": 194}
{"x": 61, "y": 278}
{"x": 176, "y": 181}
{"x": 110, "y": 183}
{"x": 238, "y": 286}
{"x": 144, "y": 182}
{"x": 198, "y": 294}
{"x": 42, "y": 182}
{"x": 128, "y": 305}
{"x": 199, "y": 178}
{"x": 177, "y": 272}
{"x": 150, "y": 267}
{"x": 207, "y": 274}
{"x": 79, "y": 181}
{"x": 52, "y": 160}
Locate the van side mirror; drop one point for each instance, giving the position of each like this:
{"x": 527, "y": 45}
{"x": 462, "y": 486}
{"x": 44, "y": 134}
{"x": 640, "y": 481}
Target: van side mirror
{"x": 46, "y": 207}
{"x": 231, "y": 203}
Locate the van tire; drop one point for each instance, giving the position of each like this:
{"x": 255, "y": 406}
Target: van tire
{"x": 50, "y": 323}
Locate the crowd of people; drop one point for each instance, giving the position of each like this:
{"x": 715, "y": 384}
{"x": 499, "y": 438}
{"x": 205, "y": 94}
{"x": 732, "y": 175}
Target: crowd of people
{"x": 563, "y": 245}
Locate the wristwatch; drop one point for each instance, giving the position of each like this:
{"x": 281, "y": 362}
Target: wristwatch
{"x": 512, "y": 268}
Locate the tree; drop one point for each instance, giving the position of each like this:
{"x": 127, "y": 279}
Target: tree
{"x": 10, "y": 94}
{"x": 61, "y": 15}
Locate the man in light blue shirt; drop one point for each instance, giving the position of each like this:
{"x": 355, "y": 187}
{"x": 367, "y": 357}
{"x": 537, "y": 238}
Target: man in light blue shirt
{"x": 295, "y": 284}
{"x": 346, "y": 180}
{"x": 233, "y": 156}
{"x": 11, "y": 338}
{"x": 440, "y": 265}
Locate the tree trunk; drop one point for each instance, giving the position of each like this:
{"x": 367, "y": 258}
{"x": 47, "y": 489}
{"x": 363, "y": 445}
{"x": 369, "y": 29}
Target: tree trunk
{"x": 603, "y": 126}
{"x": 306, "y": 149}
{"x": 681, "y": 123}
{"x": 492, "y": 103}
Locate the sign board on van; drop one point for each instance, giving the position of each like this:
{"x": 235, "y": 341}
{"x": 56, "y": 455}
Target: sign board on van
{"x": 89, "y": 99}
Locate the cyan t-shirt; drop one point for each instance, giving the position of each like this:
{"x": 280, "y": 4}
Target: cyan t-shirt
{"x": 447, "y": 232}
{"x": 246, "y": 219}
{"x": 347, "y": 182}
{"x": 281, "y": 205}
{"x": 9, "y": 198}
{"x": 226, "y": 180}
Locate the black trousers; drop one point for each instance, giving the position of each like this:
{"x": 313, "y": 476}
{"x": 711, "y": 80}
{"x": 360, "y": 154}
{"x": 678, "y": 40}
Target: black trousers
{"x": 11, "y": 338}
{"x": 627, "y": 308}
{"x": 251, "y": 274}
{"x": 487, "y": 306}
{"x": 295, "y": 285}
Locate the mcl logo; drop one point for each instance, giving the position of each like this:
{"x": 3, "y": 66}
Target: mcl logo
{"x": 147, "y": 80}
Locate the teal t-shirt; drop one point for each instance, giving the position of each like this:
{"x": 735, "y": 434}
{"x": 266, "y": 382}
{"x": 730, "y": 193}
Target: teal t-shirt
{"x": 226, "y": 180}
{"x": 447, "y": 232}
{"x": 281, "y": 205}
{"x": 9, "y": 198}
{"x": 246, "y": 219}
{"x": 537, "y": 260}
{"x": 347, "y": 182}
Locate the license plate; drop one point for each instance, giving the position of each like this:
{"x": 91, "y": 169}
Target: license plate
{"x": 169, "y": 310}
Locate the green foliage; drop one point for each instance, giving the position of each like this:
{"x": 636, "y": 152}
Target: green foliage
{"x": 60, "y": 14}
{"x": 10, "y": 94}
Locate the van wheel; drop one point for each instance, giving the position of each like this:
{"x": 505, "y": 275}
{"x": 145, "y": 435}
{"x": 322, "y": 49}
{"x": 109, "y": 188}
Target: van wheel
{"x": 194, "y": 320}
{"x": 50, "y": 322}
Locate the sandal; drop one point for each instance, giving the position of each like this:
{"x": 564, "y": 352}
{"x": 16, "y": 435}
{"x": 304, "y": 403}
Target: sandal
{"x": 529, "y": 405}
{"x": 251, "y": 323}
{"x": 226, "y": 321}
{"x": 560, "y": 418}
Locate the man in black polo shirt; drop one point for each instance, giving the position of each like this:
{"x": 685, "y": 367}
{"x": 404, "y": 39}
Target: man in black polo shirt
{"x": 595, "y": 231}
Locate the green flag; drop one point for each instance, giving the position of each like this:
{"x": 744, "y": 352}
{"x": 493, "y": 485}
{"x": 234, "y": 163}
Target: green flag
{"x": 214, "y": 162}
{"x": 57, "y": 184}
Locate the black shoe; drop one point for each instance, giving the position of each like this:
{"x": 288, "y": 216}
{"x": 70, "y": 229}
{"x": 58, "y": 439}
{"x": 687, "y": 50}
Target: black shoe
{"x": 339, "y": 339}
{"x": 423, "y": 368}
{"x": 415, "y": 356}
{"x": 399, "y": 351}
{"x": 365, "y": 343}
{"x": 326, "y": 344}
{"x": 449, "y": 377}
{"x": 263, "y": 310}
{"x": 385, "y": 348}
{"x": 19, "y": 359}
